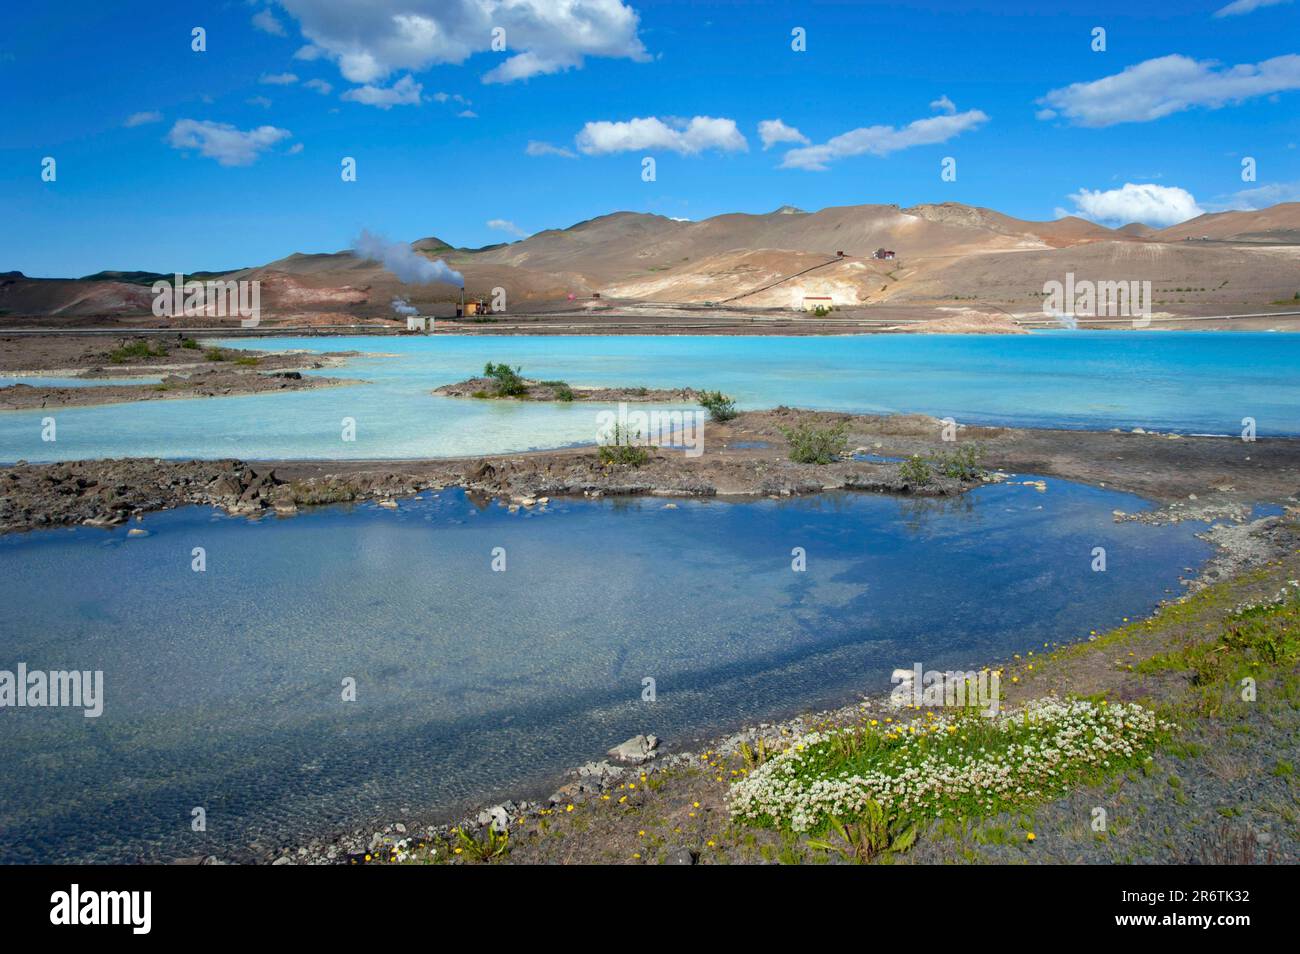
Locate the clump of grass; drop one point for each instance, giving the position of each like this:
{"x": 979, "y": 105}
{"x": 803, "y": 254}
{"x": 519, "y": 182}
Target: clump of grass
{"x": 487, "y": 848}
{"x": 214, "y": 354}
{"x": 810, "y": 444}
{"x": 189, "y": 344}
{"x": 876, "y": 832}
{"x": 506, "y": 380}
{"x": 720, "y": 406}
{"x": 136, "y": 350}
{"x": 623, "y": 448}
{"x": 247, "y": 361}
{"x": 1257, "y": 642}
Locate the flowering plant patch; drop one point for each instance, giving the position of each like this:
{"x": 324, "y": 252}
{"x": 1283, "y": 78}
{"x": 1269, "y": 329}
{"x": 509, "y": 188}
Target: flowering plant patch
{"x": 937, "y": 766}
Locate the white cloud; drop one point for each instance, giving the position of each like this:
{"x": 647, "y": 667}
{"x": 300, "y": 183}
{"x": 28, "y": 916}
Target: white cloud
{"x": 505, "y": 225}
{"x": 295, "y": 149}
{"x": 1260, "y": 197}
{"x": 882, "y": 140}
{"x": 320, "y": 86}
{"x": 259, "y": 101}
{"x": 676, "y": 135}
{"x": 278, "y": 79}
{"x": 944, "y": 105}
{"x": 1153, "y": 205}
{"x": 467, "y": 114}
{"x": 405, "y": 92}
{"x": 1168, "y": 84}
{"x": 773, "y": 131}
{"x": 450, "y": 97}
{"x": 223, "y": 142}
{"x": 536, "y": 148}
{"x": 1239, "y": 7}
{"x": 266, "y": 22}
{"x": 542, "y": 36}
{"x": 142, "y": 119}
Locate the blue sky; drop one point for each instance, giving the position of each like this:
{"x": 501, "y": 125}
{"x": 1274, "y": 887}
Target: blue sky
{"x": 170, "y": 159}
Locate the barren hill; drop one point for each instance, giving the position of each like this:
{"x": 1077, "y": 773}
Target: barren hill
{"x": 946, "y": 256}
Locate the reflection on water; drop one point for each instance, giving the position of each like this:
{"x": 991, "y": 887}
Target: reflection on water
{"x": 223, "y": 687}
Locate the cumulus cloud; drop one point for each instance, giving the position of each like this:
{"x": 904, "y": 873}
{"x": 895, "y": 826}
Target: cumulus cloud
{"x": 265, "y": 21}
{"x": 1153, "y": 205}
{"x": 943, "y": 105}
{"x": 542, "y": 36}
{"x": 143, "y": 119}
{"x": 687, "y": 137}
{"x": 773, "y": 131}
{"x": 538, "y": 148}
{"x": 882, "y": 140}
{"x": 406, "y": 263}
{"x": 278, "y": 79}
{"x": 1168, "y": 84}
{"x": 320, "y": 86}
{"x": 505, "y": 225}
{"x": 405, "y": 92}
{"x": 259, "y": 101}
{"x": 1240, "y": 7}
{"x": 225, "y": 143}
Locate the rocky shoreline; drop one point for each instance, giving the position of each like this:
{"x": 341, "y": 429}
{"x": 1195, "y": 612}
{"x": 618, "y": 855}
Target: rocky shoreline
{"x": 183, "y": 369}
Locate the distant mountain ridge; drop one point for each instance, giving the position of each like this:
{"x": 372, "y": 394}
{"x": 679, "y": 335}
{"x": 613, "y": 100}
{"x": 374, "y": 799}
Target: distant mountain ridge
{"x": 944, "y": 251}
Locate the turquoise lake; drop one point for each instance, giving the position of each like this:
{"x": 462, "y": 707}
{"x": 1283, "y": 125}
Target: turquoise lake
{"x": 1176, "y": 381}
{"x": 223, "y": 688}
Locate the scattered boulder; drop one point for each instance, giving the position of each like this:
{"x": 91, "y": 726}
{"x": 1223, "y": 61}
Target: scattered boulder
{"x": 636, "y": 750}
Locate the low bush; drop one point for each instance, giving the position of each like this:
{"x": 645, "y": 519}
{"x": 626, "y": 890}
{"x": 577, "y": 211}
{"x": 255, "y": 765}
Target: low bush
{"x": 810, "y": 444}
{"x": 507, "y": 381}
{"x": 719, "y": 405}
{"x": 623, "y": 449}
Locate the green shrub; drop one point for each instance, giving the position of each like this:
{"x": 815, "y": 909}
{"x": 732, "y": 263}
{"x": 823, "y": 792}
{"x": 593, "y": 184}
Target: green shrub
{"x": 189, "y": 344}
{"x": 214, "y": 354}
{"x": 561, "y": 389}
{"x": 962, "y": 463}
{"x": 135, "y": 350}
{"x": 719, "y": 405}
{"x": 810, "y": 444}
{"x": 247, "y": 361}
{"x": 508, "y": 383}
{"x": 623, "y": 450}
{"x": 915, "y": 471}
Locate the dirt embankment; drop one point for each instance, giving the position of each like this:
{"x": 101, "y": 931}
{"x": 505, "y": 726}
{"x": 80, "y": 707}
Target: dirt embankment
{"x": 187, "y": 370}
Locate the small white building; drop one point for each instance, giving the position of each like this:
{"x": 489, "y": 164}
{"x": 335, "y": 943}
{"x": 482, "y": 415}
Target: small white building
{"x": 419, "y": 323}
{"x": 813, "y": 302}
